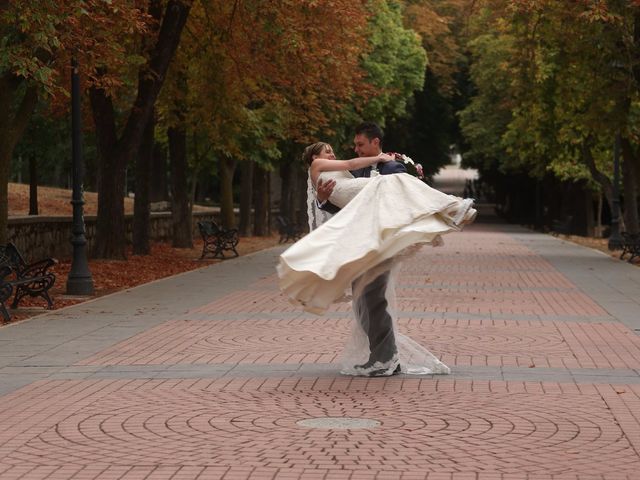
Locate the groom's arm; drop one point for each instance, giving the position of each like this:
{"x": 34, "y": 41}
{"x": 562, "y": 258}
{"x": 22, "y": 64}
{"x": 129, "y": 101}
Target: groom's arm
{"x": 328, "y": 207}
{"x": 323, "y": 193}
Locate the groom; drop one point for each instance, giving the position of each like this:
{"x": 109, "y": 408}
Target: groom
{"x": 370, "y": 306}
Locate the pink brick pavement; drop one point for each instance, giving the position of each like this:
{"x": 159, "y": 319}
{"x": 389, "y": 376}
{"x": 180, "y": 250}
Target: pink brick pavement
{"x": 456, "y": 342}
{"x": 484, "y": 300}
{"x": 503, "y": 277}
{"x": 247, "y": 428}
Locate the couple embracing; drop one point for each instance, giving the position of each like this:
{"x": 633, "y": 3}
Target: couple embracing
{"x": 362, "y": 226}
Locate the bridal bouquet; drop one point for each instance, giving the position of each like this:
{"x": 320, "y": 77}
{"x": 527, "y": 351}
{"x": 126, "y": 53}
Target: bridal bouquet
{"x": 412, "y": 167}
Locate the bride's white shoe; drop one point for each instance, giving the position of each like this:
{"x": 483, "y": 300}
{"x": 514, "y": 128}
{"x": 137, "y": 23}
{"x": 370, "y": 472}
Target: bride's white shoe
{"x": 470, "y": 216}
{"x": 466, "y": 214}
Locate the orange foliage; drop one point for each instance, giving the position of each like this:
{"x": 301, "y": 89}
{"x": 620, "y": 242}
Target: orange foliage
{"x": 302, "y": 56}
{"x": 439, "y": 23}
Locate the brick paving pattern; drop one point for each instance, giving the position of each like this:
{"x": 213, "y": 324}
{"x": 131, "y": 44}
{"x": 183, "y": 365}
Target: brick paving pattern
{"x": 495, "y": 427}
{"x": 456, "y": 342}
{"x": 485, "y": 300}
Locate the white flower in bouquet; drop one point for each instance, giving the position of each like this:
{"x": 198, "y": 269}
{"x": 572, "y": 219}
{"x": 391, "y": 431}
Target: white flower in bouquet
{"x": 406, "y": 159}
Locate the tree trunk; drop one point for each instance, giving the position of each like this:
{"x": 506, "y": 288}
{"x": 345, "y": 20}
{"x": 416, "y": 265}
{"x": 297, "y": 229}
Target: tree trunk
{"x": 629, "y": 177}
{"x": 6, "y": 153}
{"x": 159, "y": 191}
{"x": 598, "y": 176}
{"x": 285, "y": 190}
{"x": 267, "y": 201}
{"x": 141, "y": 208}
{"x": 12, "y": 127}
{"x": 114, "y": 154}
{"x": 589, "y": 213}
{"x": 33, "y": 185}
{"x": 227, "y": 215}
{"x": 598, "y": 227}
{"x": 261, "y": 202}
{"x": 192, "y": 191}
{"x": 110, "y": 226}
{"x": 301, "y": 199}
{"x": 152, "y": 75}
{"x": 182, "y": 237}
{"x": 246, "y": 197}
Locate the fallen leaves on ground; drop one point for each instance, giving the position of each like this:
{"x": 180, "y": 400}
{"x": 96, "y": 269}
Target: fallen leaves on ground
{"x": 53, "y": 201}
{"x": 57, "y": 201}
{"x": 110, "y": 276}
{"x": 601, "y": 244}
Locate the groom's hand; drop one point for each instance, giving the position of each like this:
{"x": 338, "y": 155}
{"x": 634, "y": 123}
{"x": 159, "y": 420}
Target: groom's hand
{"x": 324, "y": 190}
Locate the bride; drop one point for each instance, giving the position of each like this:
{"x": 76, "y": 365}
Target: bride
{"x": 380, "y": 218}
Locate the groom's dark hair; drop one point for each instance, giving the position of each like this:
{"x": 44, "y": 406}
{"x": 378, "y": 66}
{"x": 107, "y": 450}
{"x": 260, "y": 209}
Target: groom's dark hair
{"x": 370, "y": 130}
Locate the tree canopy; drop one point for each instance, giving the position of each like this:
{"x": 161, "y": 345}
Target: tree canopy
{"x": 535, "y": 88}
{"x": 555, "y": 82}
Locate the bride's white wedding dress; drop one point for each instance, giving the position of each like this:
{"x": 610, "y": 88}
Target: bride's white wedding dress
{"x": 381, "y": 216}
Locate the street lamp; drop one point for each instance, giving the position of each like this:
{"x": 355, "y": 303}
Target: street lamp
{"x": 615, "y": 239}
{"x": 79, "y": 281}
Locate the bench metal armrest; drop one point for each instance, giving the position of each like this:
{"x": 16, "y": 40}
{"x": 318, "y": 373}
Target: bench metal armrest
{"x": 37, "y": 269}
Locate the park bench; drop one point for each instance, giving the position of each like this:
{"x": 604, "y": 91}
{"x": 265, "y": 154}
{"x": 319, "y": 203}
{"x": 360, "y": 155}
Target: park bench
{"x": 287, "y": 230}
{"x": 21, "y": 279}
{"x": 630, "y": 246}
{"x": 217, "y": 240}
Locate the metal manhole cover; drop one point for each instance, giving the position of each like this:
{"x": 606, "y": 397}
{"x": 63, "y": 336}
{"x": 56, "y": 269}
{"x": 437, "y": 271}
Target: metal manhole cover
{"x": 338, "y": 423}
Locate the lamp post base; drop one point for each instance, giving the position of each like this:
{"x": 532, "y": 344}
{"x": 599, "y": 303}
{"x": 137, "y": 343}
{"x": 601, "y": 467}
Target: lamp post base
{"x": 615, "y": 239}
{"x": 80, "y": 286}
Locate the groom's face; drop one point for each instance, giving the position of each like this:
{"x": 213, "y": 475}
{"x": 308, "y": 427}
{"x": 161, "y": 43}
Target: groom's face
{"x": 365, "y": 147}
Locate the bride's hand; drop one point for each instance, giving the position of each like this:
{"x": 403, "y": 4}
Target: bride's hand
{"x": 385, "y": 157}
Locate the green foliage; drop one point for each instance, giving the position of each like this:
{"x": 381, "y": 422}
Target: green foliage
{"x": 395, "y": 65}
{"x": 485, "y": 119}
{"x": 37, "y": 39}
{"x": 48, "y": 141}
{"x": 550, "y": 79}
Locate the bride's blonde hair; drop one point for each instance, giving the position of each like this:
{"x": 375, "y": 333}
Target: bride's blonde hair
{"x": 313, "y": 149}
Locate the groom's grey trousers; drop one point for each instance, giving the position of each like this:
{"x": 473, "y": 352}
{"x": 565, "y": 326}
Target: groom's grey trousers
{"x": 372, "y": 311}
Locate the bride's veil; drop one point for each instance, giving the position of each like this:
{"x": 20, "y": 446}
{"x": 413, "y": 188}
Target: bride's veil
{"x": 414, "y": 358}
{"x": 315, "y": 215}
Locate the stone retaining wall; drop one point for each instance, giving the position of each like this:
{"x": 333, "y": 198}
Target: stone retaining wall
{"x": 41, "y": 236}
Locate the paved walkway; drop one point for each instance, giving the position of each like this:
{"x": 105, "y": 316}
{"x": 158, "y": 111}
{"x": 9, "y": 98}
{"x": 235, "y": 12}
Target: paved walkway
{"x": 212, "y": 374}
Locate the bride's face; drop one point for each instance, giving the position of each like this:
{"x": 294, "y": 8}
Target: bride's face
{"x": 327, "y": 152}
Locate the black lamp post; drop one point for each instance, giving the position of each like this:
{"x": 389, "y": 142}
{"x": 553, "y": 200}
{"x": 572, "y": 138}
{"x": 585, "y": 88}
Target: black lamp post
{"x": 79, "y": 281}
{"x": 615, "y": 240}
